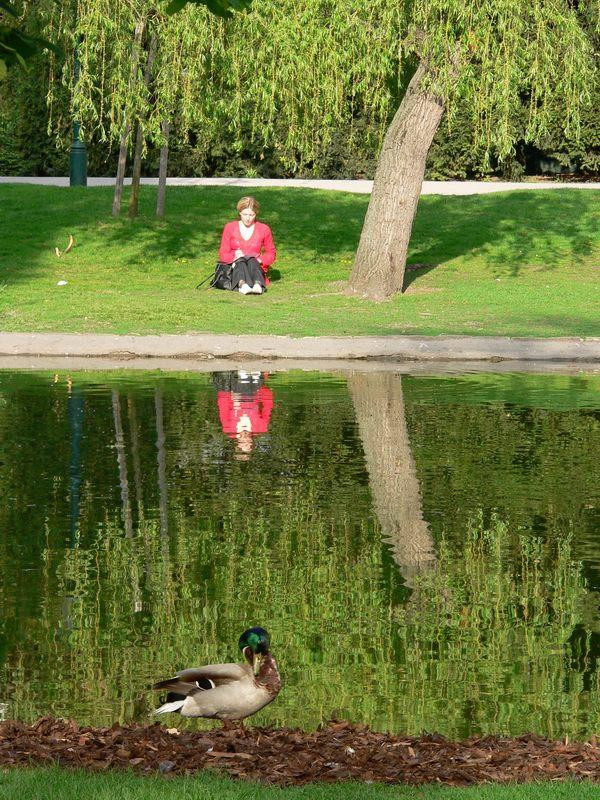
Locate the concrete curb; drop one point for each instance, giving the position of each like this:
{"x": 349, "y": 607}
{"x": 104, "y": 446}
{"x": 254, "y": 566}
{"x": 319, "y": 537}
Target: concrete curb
{"x": 245, "y": 347}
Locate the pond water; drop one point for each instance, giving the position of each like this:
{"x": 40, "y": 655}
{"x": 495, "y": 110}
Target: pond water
{"x": 425, "y": 551}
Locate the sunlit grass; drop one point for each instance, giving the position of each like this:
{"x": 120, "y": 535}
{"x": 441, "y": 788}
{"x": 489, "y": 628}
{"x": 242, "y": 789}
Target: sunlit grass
{"x": 60, "y": 784}
{"x": 515, "y": 263}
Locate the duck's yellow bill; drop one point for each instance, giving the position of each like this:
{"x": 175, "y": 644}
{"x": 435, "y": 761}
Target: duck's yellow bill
{"x": 258, "y": 659}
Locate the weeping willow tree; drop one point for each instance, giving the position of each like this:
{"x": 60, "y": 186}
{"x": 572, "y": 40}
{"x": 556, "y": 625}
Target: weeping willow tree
{"x": 137, "y": 64}
{"x": 489, "y": 54}
{"x": 287, "y": 73}
{"x": 282, "y": 75}
{"x": 320, "y": 62}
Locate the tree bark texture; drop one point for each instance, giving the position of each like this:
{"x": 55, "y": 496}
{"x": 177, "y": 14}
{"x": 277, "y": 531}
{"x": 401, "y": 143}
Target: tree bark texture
{"x": 379, "y": 409}
{"x": 162, "y": 170}
{"x": 378, "y": 270}
{"x": 135, "y": 57}
{"x": 116, "y": 209}
{"x": 137, "y": 157}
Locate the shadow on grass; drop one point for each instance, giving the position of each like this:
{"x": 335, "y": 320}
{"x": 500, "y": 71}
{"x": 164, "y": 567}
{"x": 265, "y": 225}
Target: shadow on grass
{"x": 414, "y": 272}
{"x": 309, "y": 226}
{"x": 515, "y": 327}
{"x": 509, "y": 230}
{"x": 316, "y": 232}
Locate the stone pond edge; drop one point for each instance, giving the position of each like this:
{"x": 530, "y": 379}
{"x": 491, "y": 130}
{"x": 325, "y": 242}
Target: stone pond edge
{"x": 237, "y": 347}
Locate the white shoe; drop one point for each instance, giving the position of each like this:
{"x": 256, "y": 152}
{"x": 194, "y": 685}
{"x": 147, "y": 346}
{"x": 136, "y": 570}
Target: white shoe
{"x": 257, "y": 288}
{"x": 245, "y": 289}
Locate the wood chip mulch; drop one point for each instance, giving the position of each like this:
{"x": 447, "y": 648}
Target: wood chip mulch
{"x": 338, "y": 751}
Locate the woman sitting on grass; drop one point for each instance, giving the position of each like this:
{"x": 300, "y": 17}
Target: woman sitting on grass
{"x": 248, "y": 246}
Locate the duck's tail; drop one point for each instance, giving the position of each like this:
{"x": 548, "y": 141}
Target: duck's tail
{"x": 166, "y": 708}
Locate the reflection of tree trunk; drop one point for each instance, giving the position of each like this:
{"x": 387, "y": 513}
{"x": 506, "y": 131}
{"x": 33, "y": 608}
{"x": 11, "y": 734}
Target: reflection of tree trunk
{"x": 75, "y": 411}
{"x": 137, "y": 478}
{"x": 162, "y": 472}
{"x": 121, "y": 458}
{"x": 120, "y": 447}
{"x": 135, "y": 453}
{"x": 379, "y": 409}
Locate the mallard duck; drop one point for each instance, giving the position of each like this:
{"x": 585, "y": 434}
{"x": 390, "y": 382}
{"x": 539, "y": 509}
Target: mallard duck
{"x": 226, "y": 691}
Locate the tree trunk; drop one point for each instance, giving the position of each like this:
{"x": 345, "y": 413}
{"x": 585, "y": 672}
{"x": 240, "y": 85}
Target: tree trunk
{"x": 135, "y": 57}
{"x": 162, "y": 170}
{"x": 116, "y": 209}
{"x": 378, "y": 270}
{"x": 379, "y": 409}
{"x": 137, "y": 158}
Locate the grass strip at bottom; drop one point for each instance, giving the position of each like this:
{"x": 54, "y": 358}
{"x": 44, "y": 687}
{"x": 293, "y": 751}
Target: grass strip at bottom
{"x": 55, "y": 783}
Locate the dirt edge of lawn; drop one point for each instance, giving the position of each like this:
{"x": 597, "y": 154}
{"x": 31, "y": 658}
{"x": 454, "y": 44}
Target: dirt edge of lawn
{"x": 337, "y": 751}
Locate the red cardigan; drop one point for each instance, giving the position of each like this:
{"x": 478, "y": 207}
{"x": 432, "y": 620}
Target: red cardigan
{"x": 257, "y": 408}
{"x": 260, "y": 244}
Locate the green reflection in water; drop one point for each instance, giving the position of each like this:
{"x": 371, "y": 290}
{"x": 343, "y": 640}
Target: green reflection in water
{"x": 177, "y": 547}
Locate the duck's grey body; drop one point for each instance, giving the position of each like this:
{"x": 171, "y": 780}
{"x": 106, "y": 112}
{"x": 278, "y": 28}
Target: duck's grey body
{"x": 221, "y": 691}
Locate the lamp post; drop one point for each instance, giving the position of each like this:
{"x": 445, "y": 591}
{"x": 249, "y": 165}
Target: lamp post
{"x": 78, "y": 160}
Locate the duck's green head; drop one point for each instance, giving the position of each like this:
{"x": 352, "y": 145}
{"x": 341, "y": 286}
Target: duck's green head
{"x": 254, "y": 644}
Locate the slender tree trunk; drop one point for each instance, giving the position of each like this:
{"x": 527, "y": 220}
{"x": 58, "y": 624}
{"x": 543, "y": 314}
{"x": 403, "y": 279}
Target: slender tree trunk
{"x": 137, "y": 158}
{"x": 120, "y": 171}
{"x": 379, "y": 409}
{"x": 162, "y": 171}
{"x": 135, "y": 57}
{"x": 378, "y": 270}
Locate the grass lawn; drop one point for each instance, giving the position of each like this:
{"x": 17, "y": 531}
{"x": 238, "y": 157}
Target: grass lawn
{"x": 59, "y": 784}
{"x": 515, "y": 263}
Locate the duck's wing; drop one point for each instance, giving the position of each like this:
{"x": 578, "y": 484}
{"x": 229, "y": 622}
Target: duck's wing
{"x": 189, "y": 681}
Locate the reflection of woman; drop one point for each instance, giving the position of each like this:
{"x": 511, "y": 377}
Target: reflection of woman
{"x": 248, "y": 245}
{"x": 245, "y": 414}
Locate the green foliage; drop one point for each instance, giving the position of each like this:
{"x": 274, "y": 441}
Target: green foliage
{"x": 514, "y": 71}
{"x": 496, "y": 56}
{"x": 17, "y": 46}
{"x": 315, "y": 103}
{"x": 26, "y": 148}
{"x": 221, "y": 8}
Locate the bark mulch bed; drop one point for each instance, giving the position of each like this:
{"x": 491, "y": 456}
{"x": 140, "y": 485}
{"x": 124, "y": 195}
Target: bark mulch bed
{"x": 338, "y": 751}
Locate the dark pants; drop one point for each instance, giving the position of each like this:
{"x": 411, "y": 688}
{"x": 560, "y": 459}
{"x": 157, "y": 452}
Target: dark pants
{"x": 247, "y": 269}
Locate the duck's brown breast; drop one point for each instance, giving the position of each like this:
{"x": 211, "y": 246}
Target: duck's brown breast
{"x": 268, "y": 677}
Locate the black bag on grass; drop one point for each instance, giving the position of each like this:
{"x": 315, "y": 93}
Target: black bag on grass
{"x": 222, "y": 277}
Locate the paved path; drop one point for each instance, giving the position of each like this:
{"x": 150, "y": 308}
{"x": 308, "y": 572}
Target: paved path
{"x": 358, "y": 187}
{"x": 246, "y": 347}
